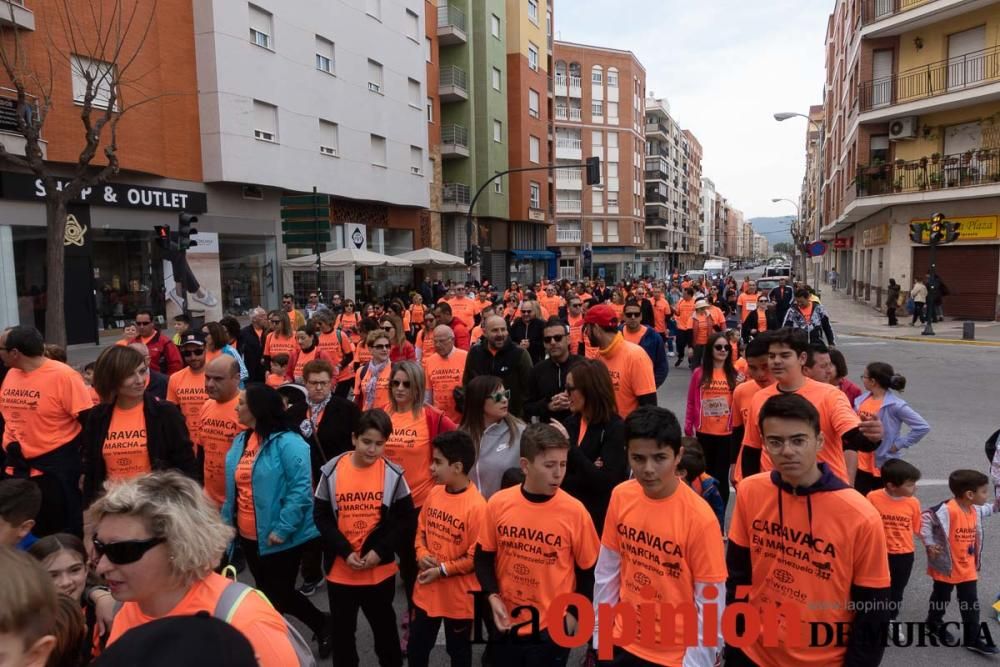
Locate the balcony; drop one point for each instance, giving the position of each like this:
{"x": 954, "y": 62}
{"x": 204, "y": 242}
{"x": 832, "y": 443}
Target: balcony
{"x": 569, "y": 149}
{"x": 455, "y": 198}
{"x": 568, "y": 235}
{"x": 568, "y": 206}
{"x": 655, "y": 174}
{"x": 453, "y": 86}
{"x": 948, "y": 172}
{"x": 568, "y": 180}
{"x": 14, "y": 14}
{"x": 947, "y": 83}
{"x": 883, "y": 18}
{"x": 454, "y": 142}
{"x": 569, "y": 113}
{"x": 451, "y": 26}
{"x": 657, "y": 128}
{"x": 656, "y": 198}
{"x": 569, "y": 86}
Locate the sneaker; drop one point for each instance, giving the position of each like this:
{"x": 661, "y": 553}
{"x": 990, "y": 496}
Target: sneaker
{"x": 310, "y": 587}
{"x": 207, "y": 299}
{"x": 172, "y": 295}
{"x": 678, "y": 362}
{"x": 983, "y": 648}
{"x": 946, "y": 637}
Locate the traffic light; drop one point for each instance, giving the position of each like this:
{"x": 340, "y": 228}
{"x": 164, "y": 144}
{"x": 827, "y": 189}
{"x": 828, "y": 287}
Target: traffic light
{"x": 917, "y": 232}
{"x": 951, "y": 232}
{"x": 937, "y": 230}
{"x": 185, "y": 230}
{"x": 476, "y": 255}
{"x": 163, "y": 236}
{"x": 593, "y": 171}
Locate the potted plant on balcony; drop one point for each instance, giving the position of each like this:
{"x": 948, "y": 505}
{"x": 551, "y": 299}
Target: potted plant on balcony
{"x": 966, "y": 157}
{"x": 984, "y": 154}
{"x": 921, "y": 182}
{"x": 897, "y": 185}
{"x": 935, "y": 158}
{"x": 900, "y": 163}
{"x": 923, "y": 162}
{"x": 935, "y": 180}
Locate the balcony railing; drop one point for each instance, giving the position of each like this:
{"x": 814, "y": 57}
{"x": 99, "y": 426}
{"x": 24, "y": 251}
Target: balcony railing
{"x": 939, "y": 78}
{"x": 575, "y": 144}
{"x": 453, "y": 86}
{"x": 657, "y": 127}
{"x": 961, "y": 170}
{"x": 451, "y": 16}
{"x": 455, "y": 135}
{"x": 568, "y": 113}
{"x": 568, "y": 206}
{"x": 568, "y": 180}
{"x": 568, "y": 236}
{"x": 656, "y": 175}
{"x": 877, "y": 10}
{"x": 456, "y": 194}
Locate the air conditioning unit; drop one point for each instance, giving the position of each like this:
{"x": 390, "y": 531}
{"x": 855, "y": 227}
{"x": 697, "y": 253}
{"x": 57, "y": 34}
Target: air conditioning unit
{"x": 904, "y": 128}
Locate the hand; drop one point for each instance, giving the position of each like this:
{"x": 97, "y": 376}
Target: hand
{"x": 872, "y": 429}
{"x": 559, "y": 402}
{"x": 525, "y": 343}
{"x": 104, "y": 610}
{"x": 370, "y": 560}
{"x": 354, "y": 560}
{"x": 428, "y": 563}
{"x": 500, "y": 617}
{"x": 894, "y": 449}
{"x": 559, "y": 427}
{"x": 427, "y": 576}
{"x": 599, "y": 463}
{"x": 274, "y": 538}
{"x": 935, "y": 549}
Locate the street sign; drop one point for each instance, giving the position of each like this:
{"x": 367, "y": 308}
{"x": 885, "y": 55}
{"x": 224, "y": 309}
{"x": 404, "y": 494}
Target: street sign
{"x": 817, "y": 249}
{"x": 297, "y": 213}
{"x": 305, "y": 200}
{"x": 305, "y": 219}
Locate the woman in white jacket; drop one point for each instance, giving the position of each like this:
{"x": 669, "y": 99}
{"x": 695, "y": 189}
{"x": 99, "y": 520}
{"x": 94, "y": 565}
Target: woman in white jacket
{"x": 496, "y": 432}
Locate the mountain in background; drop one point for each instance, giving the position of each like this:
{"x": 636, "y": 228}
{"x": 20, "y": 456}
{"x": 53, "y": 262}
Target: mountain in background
{"x": 775, "y": 229}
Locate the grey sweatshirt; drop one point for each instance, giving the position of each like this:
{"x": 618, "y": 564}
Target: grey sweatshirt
{"x": 496, "y": 455}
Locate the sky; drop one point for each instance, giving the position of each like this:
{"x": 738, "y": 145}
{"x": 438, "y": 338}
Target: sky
{"x": 725, "y": 66}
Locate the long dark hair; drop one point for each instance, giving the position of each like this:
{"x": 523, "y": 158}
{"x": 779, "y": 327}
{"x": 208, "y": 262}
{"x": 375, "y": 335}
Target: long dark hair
{"x": 267, "y": 409}
{"x": 708, "y": 362}
{"x": 474, "y": 418}
{"x": 884, "y": 376}
{"x": 592, "y": 380}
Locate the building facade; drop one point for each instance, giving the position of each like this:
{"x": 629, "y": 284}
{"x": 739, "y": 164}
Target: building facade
{"x": 912, "y": 130}
{"x": 694, "y": 255}
{"x": 599, "y": 96}
{"x": 707, "y": 244}
{"x": 666, "y": 165}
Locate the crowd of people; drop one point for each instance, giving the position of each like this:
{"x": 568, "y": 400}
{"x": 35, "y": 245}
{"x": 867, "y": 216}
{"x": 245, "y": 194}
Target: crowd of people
{"x": 497, "y": 448}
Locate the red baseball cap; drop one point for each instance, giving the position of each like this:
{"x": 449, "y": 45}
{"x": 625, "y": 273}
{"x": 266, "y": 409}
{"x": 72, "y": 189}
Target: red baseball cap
{"x": 602, "y": 315}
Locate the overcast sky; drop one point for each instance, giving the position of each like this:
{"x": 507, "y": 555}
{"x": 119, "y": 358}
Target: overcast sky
{"x": 725, "y": 66}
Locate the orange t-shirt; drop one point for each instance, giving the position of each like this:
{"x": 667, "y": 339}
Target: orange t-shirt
{"x": 443, "y": 375}
{"x": 348, "y": 322}
{"x": 900, "y": 518}
{"x": 447, "y": 529}
{"x": 716, "y": 405}
{"x": 619, "y": 309}
{"x": 425, "y": 343}
{"x": 741, "y": 366}
{"x": 259, "y": 622}
{"x": 684, "y": 308}
{"x": 746, "y": 302}
{"x": 41, "y": 407}
{"x": 359, "y": 509}
{"x": 381, "y": 399}
{"x": 866, "y": 460}
{"x": 274, "y": 380}
{"x": 835, "y": 419}
{"x": 124, "y": 450}
{"x": 551, "y": 304}
{"x": 806, "y": 553}
{"x": 212, "y": 355}
{"x": 575, "y": 333}
{"x": 186, "y": 390}
{"x": 701, "y": 329}
{"x": 361, "y": 355}
{"x": 661, "y": 311}
{"x": 246, "y": 515}
{"x": 216, "y": 431}
{"x": 807, "y": 311}
{"x": 275, "y": 345}
{"x": 538, "y": 546}
{"x": 303, "y": 358}
{"x": 476, "y": 335}
{"x": 462, "y": 307}
{"x": 634, "y": 338}
{"x": 665, "y": 546}
{"x": 409, "y": 447}
{"x": 631, "y": 372}
{"x": 416, "y": 313}
{"x": 962, "y": 543}
{"x": 335, "y": 345}
{"x": 742, "y": 397}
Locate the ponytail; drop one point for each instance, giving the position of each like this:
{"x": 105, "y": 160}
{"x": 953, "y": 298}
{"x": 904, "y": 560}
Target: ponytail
{"x": 884, "y": 376}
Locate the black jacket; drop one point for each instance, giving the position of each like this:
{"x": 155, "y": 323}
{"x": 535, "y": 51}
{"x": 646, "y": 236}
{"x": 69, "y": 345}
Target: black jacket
{"x": 157, "y": 387}
{"x": 646, "y": 310}
{"x": 511, "y": 364}
{"x": 333, "y": 436}
{"x": 587, "y": 482}
{"x": 166, "y": 439}
{"x": 782, "y": 296}
{"x": 750, "y": 323}
{"x": 533, "y": 331}
{"x": 547, "y": 379}
{"x": 251, "y": 346}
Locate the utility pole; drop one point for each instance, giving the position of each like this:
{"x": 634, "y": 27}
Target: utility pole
{"x": 936, "y": 232}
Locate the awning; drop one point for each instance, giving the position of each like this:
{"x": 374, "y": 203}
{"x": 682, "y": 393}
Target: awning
{"x": 345, "y": 258}
{"x": 541, "y": 255}
{"x": 431, "y": 257}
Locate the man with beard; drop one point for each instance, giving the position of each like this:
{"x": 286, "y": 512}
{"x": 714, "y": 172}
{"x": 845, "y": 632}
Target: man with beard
{"x": 502, "y": 358}
{"x": 628, "y": 364}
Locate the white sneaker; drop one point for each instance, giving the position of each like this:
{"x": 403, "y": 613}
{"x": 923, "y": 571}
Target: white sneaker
{"x": 208, "y": 299}
{"x": 671, "y": 353}
{"x": 176, "y": 298}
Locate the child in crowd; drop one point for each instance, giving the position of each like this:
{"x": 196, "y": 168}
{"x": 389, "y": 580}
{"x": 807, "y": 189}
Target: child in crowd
{"x": 88, "y": 373}
{"x": 20, "y": 502}
{"x": 182, "y": 323}
{"x": 691, "y": 468}
{"x": 28, "y": 611}
{"x": 953, "y": 534}
{"x": 446, "y": 544}
{"x": 279, "y": 364}
{"x": 900, "y": 512}
{"x": 515, "y": 569}
{"x": 361, "y": 503}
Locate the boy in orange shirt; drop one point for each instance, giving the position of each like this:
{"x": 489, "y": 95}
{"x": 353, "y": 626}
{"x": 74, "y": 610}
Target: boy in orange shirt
{"x": 901, "y": 520}
{"x": 759, "y": 377}
{"x": 446, "y": 543}
{"x": 537, "y": 542}
{"x": 953, "y": 535}
{"x": 279, "y": 364}
{"x": 656, "y": 506}
{"x": 361, "y": 503}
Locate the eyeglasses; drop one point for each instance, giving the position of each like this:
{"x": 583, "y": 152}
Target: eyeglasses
{"x": 633, "y": 315}
{"x": 405, "y": 384}
{"x": 575, "y": 305}
{"x": 193, "y": 353}
{"x": 551, "y": 339}
{"x": 527, "y": 312}
{"x": 123, "y": 553}
{"x": 143, "y": 324}
{"x": 721, "y": 347}
{"x": 275, "y": 321}
{"x": 382, "y": 346}
{"x": 500, "y": 396}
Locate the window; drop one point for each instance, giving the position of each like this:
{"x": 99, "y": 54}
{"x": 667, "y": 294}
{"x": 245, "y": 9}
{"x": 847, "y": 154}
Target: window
{"x": 548, "y": 23}
{"x": 879, "y": 148}
{"x": 498, "y": 186}
{"x": 612, "y": 140}
{"x": 324, "y": 55}
{"x": 532, "y": 56}
{"x": 265, "y": 121}
{"x": 534, "y": 195}
{"x": 374, "y": 76}
{"x": 597, "y": 231}
{"x": 329, "y": 138}
{"x": 429, "y": 48}
{"x": 416, "y": 160}
{"x": 597, "y": 75}
{"x": 612, "y": 78}
{"x": 597, "y": 201}
{"x": 534, "y": 147}
{"x": 430, "y": 109}
{"x": 497, "y": 131}
{"x": 103, "y": 76}
{"x": 612, "y": 170}
{"x": 612, "y": 231}
{"x": 597, "y": 138}
{"x": 261, "y": 27}
{"x": 495, "y": 25}
{"x": 412, "y": 26}
{"x": 378, "y": 150}
{"x": 533, "y": 11}
{"x": 497, "y": 76}
{"x": 612, "y": 109}
{"x": 533, "y": 103}
{"x": 413, "y": 87}
{"x": 612, "y": 202}
{"x": 597, "y": 108}
{"x": 374, "y": 8}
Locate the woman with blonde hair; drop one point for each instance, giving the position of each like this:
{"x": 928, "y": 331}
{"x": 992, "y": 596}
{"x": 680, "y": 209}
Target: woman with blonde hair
{"x": 401, "y": 349}
{"x": 281, "y": 338}
{"x": 157, "y": 541}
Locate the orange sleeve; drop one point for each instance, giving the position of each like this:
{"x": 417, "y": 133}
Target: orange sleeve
{"x": 586, "y": 546}
{"x": 642, "y": 374}
{"x": 464, "y": 563}
{"x": 737, "y": 415}
{"x": 871, "y": 557}
{"x": 421, "y": 540}
{"x": 172, "y": 388}
{"x": 842, "y": 415}
{"x": 77, "y": 393}
{"x": 706, "y": 553}
{"x": 751, "y": 431}
{"x": 917, "y": 517}
{"x": 266, "y": 631}
{"x": 267, "y": 345}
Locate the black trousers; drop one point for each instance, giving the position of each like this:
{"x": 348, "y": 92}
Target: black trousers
{"x": 891, "y": 312}
{"x": 900, "y": 567}
{"x": 376, "y": 603}
{"x": 918, "y": 312}
{"x": 968, "y": 600}
{"x": 682, "y": 341}
{"x": 275, "y": 575}
{"x": 735, "y": 657}
{"x": 865, "y": 482}
{"x": 717, "y": 455}
{"x": 697, "y": 351}
{"x": 539, "y": 651}
{"x": 423, "y": 634}
{"x": 56, "y": 514}
{"x": 312, "y": 561}
{"x": 407, "y": 552}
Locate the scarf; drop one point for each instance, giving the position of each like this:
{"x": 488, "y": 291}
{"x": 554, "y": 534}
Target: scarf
{"x": 310, "y": 424}
{"x": 374, "y": 370}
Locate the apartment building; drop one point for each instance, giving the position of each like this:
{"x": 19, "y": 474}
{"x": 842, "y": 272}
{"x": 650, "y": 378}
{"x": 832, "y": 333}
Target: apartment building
{"x": 910, "y": 130}
{"x": 692, "y": 258}
{"x": 721, "y": 222}
{"x": 707, "y": 241}
{"x": 436, "y": 19}
{"x": 733, "y": 235}
{"x": 599, "y": 99}
{"x": 666, "y": 165}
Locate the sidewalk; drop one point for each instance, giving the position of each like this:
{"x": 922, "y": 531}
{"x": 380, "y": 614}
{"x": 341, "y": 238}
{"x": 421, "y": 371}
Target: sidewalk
{"x": 857, "y": 318}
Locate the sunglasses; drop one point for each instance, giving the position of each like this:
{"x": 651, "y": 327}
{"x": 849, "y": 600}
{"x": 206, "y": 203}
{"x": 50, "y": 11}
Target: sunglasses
{"x": 193, "y": 353}
{"x": 275, "y": 321}
{"x": 527, "y": 312}
{"x": 142, "y": 324}
{"x": 383, "y": 346}
{"x": 575, "y": 305}
{"x": 500, "y": 396}
{"x": 550, "y": 339}
{"x": 633, "y": 315}
{"x": 129, "y": 551}
{"x": 405, "y": 384}
{"x": 721, "y": 347}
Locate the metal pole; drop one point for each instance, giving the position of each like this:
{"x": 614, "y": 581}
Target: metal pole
{"x": 931, "y": 298}
{"x": 316, "y": 244}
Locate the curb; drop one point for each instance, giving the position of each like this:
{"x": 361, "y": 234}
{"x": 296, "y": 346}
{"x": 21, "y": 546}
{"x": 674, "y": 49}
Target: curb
{"x": 931, "y": 339}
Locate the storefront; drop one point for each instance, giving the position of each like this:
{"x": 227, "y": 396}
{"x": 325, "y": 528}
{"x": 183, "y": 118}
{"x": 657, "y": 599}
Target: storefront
{"x": 528, "y": 267}
{"x": 612, "y": 264}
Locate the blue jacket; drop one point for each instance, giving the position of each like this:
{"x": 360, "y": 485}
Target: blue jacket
{"x": 282, "y": 490}
{"x": 656, "y": 349}
{"x": 893, "y": 414}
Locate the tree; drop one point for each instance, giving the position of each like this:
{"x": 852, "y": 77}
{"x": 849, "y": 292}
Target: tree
{"x": 99, "y": 41}
{"x": 783, "y": 248}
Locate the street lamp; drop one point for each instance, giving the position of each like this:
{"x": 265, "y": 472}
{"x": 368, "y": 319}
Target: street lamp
{"x": 818, "y": 212}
